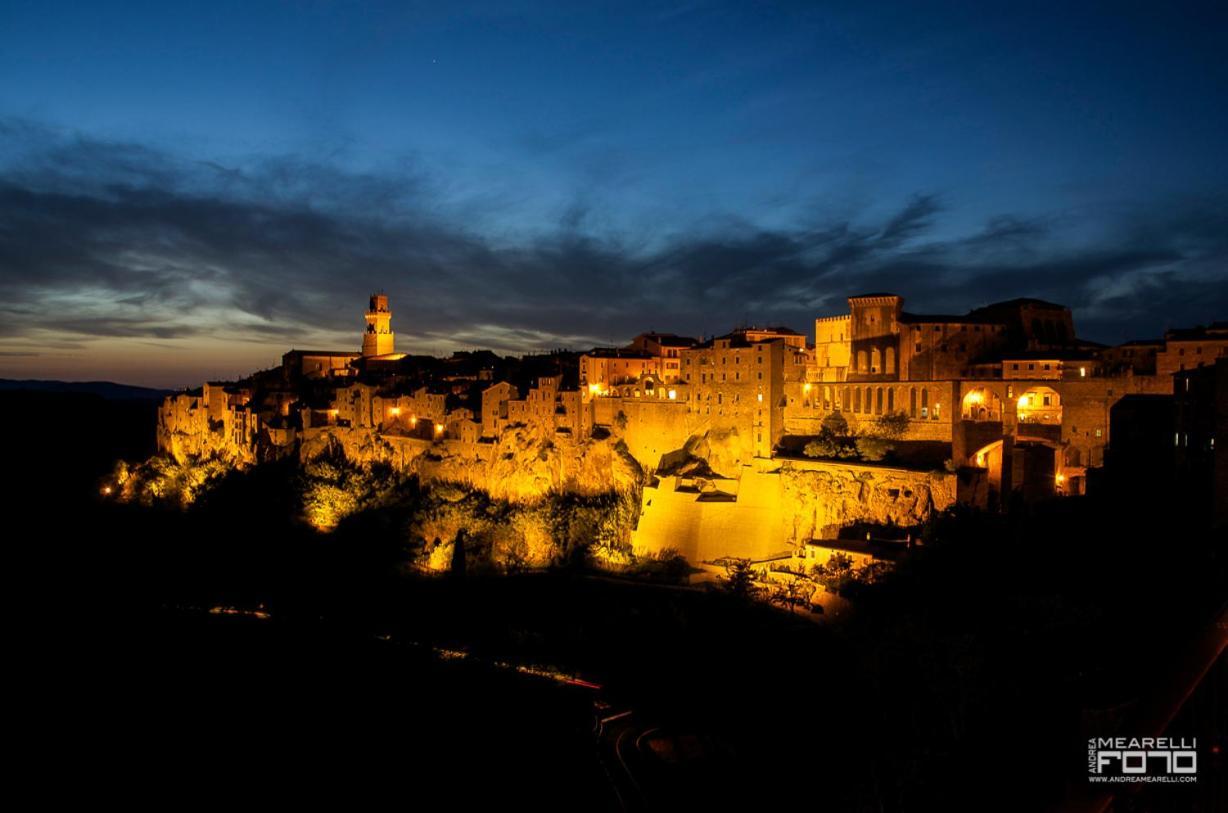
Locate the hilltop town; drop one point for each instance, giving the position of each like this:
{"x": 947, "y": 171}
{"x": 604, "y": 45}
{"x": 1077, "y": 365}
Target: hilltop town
{"x": 757, "y": 443}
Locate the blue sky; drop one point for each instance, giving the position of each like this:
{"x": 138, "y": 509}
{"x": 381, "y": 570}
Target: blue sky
{"x": 190, "y": 188}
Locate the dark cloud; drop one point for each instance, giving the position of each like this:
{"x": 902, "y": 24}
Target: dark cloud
{"x": 121, "y": 240}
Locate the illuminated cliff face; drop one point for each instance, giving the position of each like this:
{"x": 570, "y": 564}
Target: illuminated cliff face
{"x": 524, "y": 465}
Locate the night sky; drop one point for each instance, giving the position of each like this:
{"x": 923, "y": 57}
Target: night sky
{"x": 187, "y": 190}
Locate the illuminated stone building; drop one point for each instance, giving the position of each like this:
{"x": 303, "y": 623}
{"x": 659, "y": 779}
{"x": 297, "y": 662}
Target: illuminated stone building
{"x": 655, "y": 356}
{"x": 1002, "y": 400}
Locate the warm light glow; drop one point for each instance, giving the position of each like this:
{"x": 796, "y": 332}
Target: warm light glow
{"x": 673, "y": 394}
{"x": 1083, "y": 372}
{"x": 395, "y": 411}
{"x": 974, "y": 398}
{"x": 1060, "y": 478}
{"x": 438, "y": 429}
{"x": 106, "y": 490}
{"x": 805, "y": 388}
{"x": 980, "y": 459}
{"x": 594, "y": 389}
{"x": 413, "y": 420}
{"x": 761, "y": 398}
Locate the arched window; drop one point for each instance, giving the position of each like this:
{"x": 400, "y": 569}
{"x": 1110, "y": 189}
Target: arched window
{"x": 857, "y": 400}
{"x": 876, "y": 361}
{"x": 891, "y": 399}
{"x": 861, "y": 361}
{"x": 912, "y": 402}
{"x": 878, "y": 402}
{"x": 890, "y": 368}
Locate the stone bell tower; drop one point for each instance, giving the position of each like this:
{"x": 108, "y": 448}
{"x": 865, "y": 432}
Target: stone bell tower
{"x": 379, "y": 339}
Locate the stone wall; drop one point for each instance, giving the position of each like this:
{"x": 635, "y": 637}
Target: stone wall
{"x": 777, "y": 506}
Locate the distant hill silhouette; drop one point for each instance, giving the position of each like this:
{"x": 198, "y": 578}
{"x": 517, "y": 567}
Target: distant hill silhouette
{"x": 104, "y": 389}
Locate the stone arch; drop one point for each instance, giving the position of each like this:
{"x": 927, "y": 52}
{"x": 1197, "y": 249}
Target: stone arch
{"x": 981, "y": 404}
{"x": 1039, "y": 404}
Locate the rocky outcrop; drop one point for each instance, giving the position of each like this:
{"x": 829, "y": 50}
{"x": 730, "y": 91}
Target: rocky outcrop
{"x": 523, "y": 466}
{"x": 819, "y": 498}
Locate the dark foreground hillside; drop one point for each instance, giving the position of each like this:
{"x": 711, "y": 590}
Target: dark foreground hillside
{"x": 969, "y": 679}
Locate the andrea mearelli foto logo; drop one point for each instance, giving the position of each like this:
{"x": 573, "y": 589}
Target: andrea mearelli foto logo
{"x": 1142, "y": 759}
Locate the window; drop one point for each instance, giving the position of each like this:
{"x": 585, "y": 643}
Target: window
{"x": 1099, "y": 432}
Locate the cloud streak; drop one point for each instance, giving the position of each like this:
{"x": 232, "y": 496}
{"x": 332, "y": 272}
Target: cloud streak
{"x": 105, "y": 240}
